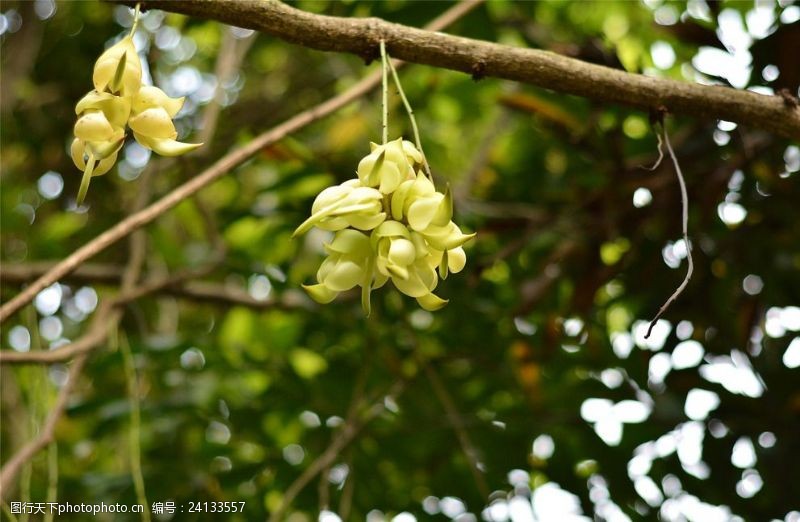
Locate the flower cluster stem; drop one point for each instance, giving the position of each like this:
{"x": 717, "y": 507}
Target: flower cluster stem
{"x": 410, "y": 111}
{"x": 385, "y": 93}
{"x": 135, "y": 19}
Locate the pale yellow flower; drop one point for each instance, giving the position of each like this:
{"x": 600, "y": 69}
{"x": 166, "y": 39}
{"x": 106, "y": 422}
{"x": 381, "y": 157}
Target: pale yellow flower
{"x": 418, "y": 238}
{"x": 118, "y": 70}
{"x": 345, "y": 205}
{"x": 394, "y": 249}
{"x": 388, "y": 165}
{"x": 349, "y": 264}
{"x": 120, "y": 99}
{"x": 151, "y": 122}
{"x": 99, "y": 134}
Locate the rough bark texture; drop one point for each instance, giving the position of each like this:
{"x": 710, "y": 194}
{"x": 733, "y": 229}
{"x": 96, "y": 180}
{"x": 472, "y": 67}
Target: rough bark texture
{"x": 361, "y": 36}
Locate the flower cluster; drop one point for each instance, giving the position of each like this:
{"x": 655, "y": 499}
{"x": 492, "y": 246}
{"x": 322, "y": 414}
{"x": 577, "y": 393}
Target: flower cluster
{"x": 391, "y": 224}
{"x": 118, "y": 100}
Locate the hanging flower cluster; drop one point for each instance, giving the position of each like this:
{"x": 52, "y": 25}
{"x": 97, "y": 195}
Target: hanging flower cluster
{"x": 391, "y": 224}
{"x": 118, "y": 100}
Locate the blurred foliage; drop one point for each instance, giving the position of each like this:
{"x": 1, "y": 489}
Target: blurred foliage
{"x": 560, "y": 282}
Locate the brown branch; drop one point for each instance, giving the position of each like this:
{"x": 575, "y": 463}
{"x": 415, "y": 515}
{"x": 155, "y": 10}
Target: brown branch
{"x": 97, "y": 273}
{"x": 109, "y": 274}
{"x": 361, "y": 36}
{"x": 95, "y": 335}
{"x": 215, "y": 171}
{"x": 98, "y": 329}
{"x": 231, "y": 53}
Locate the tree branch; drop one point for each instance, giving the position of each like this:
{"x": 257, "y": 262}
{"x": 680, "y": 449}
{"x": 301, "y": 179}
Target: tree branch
{"x": 361, "y": 36}
{"x": 215, "y": 171}
{"x": 178, "y": 285}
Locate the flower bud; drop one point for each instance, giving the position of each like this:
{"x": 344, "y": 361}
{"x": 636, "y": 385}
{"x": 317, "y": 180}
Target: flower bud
{"x": 388, "y": 165}
{"x": 348, "y": 204}
{"x": 418, "y": 202}
{"x": 149, "y": 97}
{"x": 394, "y": 249}
{"x": 93, "y": 126}
{"x": 118, "y": 70}
{"x": 116, "y": 109}
{"x": 349, "y": 264}
{"x": 153, "y": 123}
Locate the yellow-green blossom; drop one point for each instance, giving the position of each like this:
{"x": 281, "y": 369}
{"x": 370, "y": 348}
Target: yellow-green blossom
{"x": 388, "y": 165}
{"x": 151, "y": 122}
{"x": 99, "y": 134}
{"x": 118, "y": 70}
{"x": 119, "y": 100}
{"x": 349, "y": 263}
{"x": 418, "y": 238}
{"x": 394, "y": 250}
{"x": 345, "y": 205}
{"x": 403, "y": 256}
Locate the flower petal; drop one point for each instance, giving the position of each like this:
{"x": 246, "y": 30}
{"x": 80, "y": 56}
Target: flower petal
{"x": 165, "y": 147}
{"x": 399, "y": 199}
{"x": 150, "y": 97}
{"x": 422, "y": 211}
{"x": 344, "y": 276}
{"x": 108, "y": 64}
{"x": 320, "y": 293}
{"x": 456, "y": 259}
{"x": 105, "y": 165}
{"x": 93, "y": 126}
{"x": 412, "y": 286}
{"x": 365, "y": 221}
{"x": 77, "y": 151}
{"x": 401, "y": 252}
{"x": 431, "y": 302}
{"x": 154, "y": 123}
{"x": 350, "y": 242}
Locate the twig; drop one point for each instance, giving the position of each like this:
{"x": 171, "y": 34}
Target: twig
{"x": 458, "y": 426}
{"x": 11, "y": 516}
{"x": 685, "y": 230}
{"x": 660, "y": 153}
{"x": 98, "y": 329}
{"x": 346, "y": 499}
{"x": 95, "y": 334}
{"x": 180, "y": 285}
{"x": 215, "y": 171}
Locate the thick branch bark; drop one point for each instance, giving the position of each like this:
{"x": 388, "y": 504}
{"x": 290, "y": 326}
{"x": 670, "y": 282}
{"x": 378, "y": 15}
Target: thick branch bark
{"x": 361, "y": 36}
